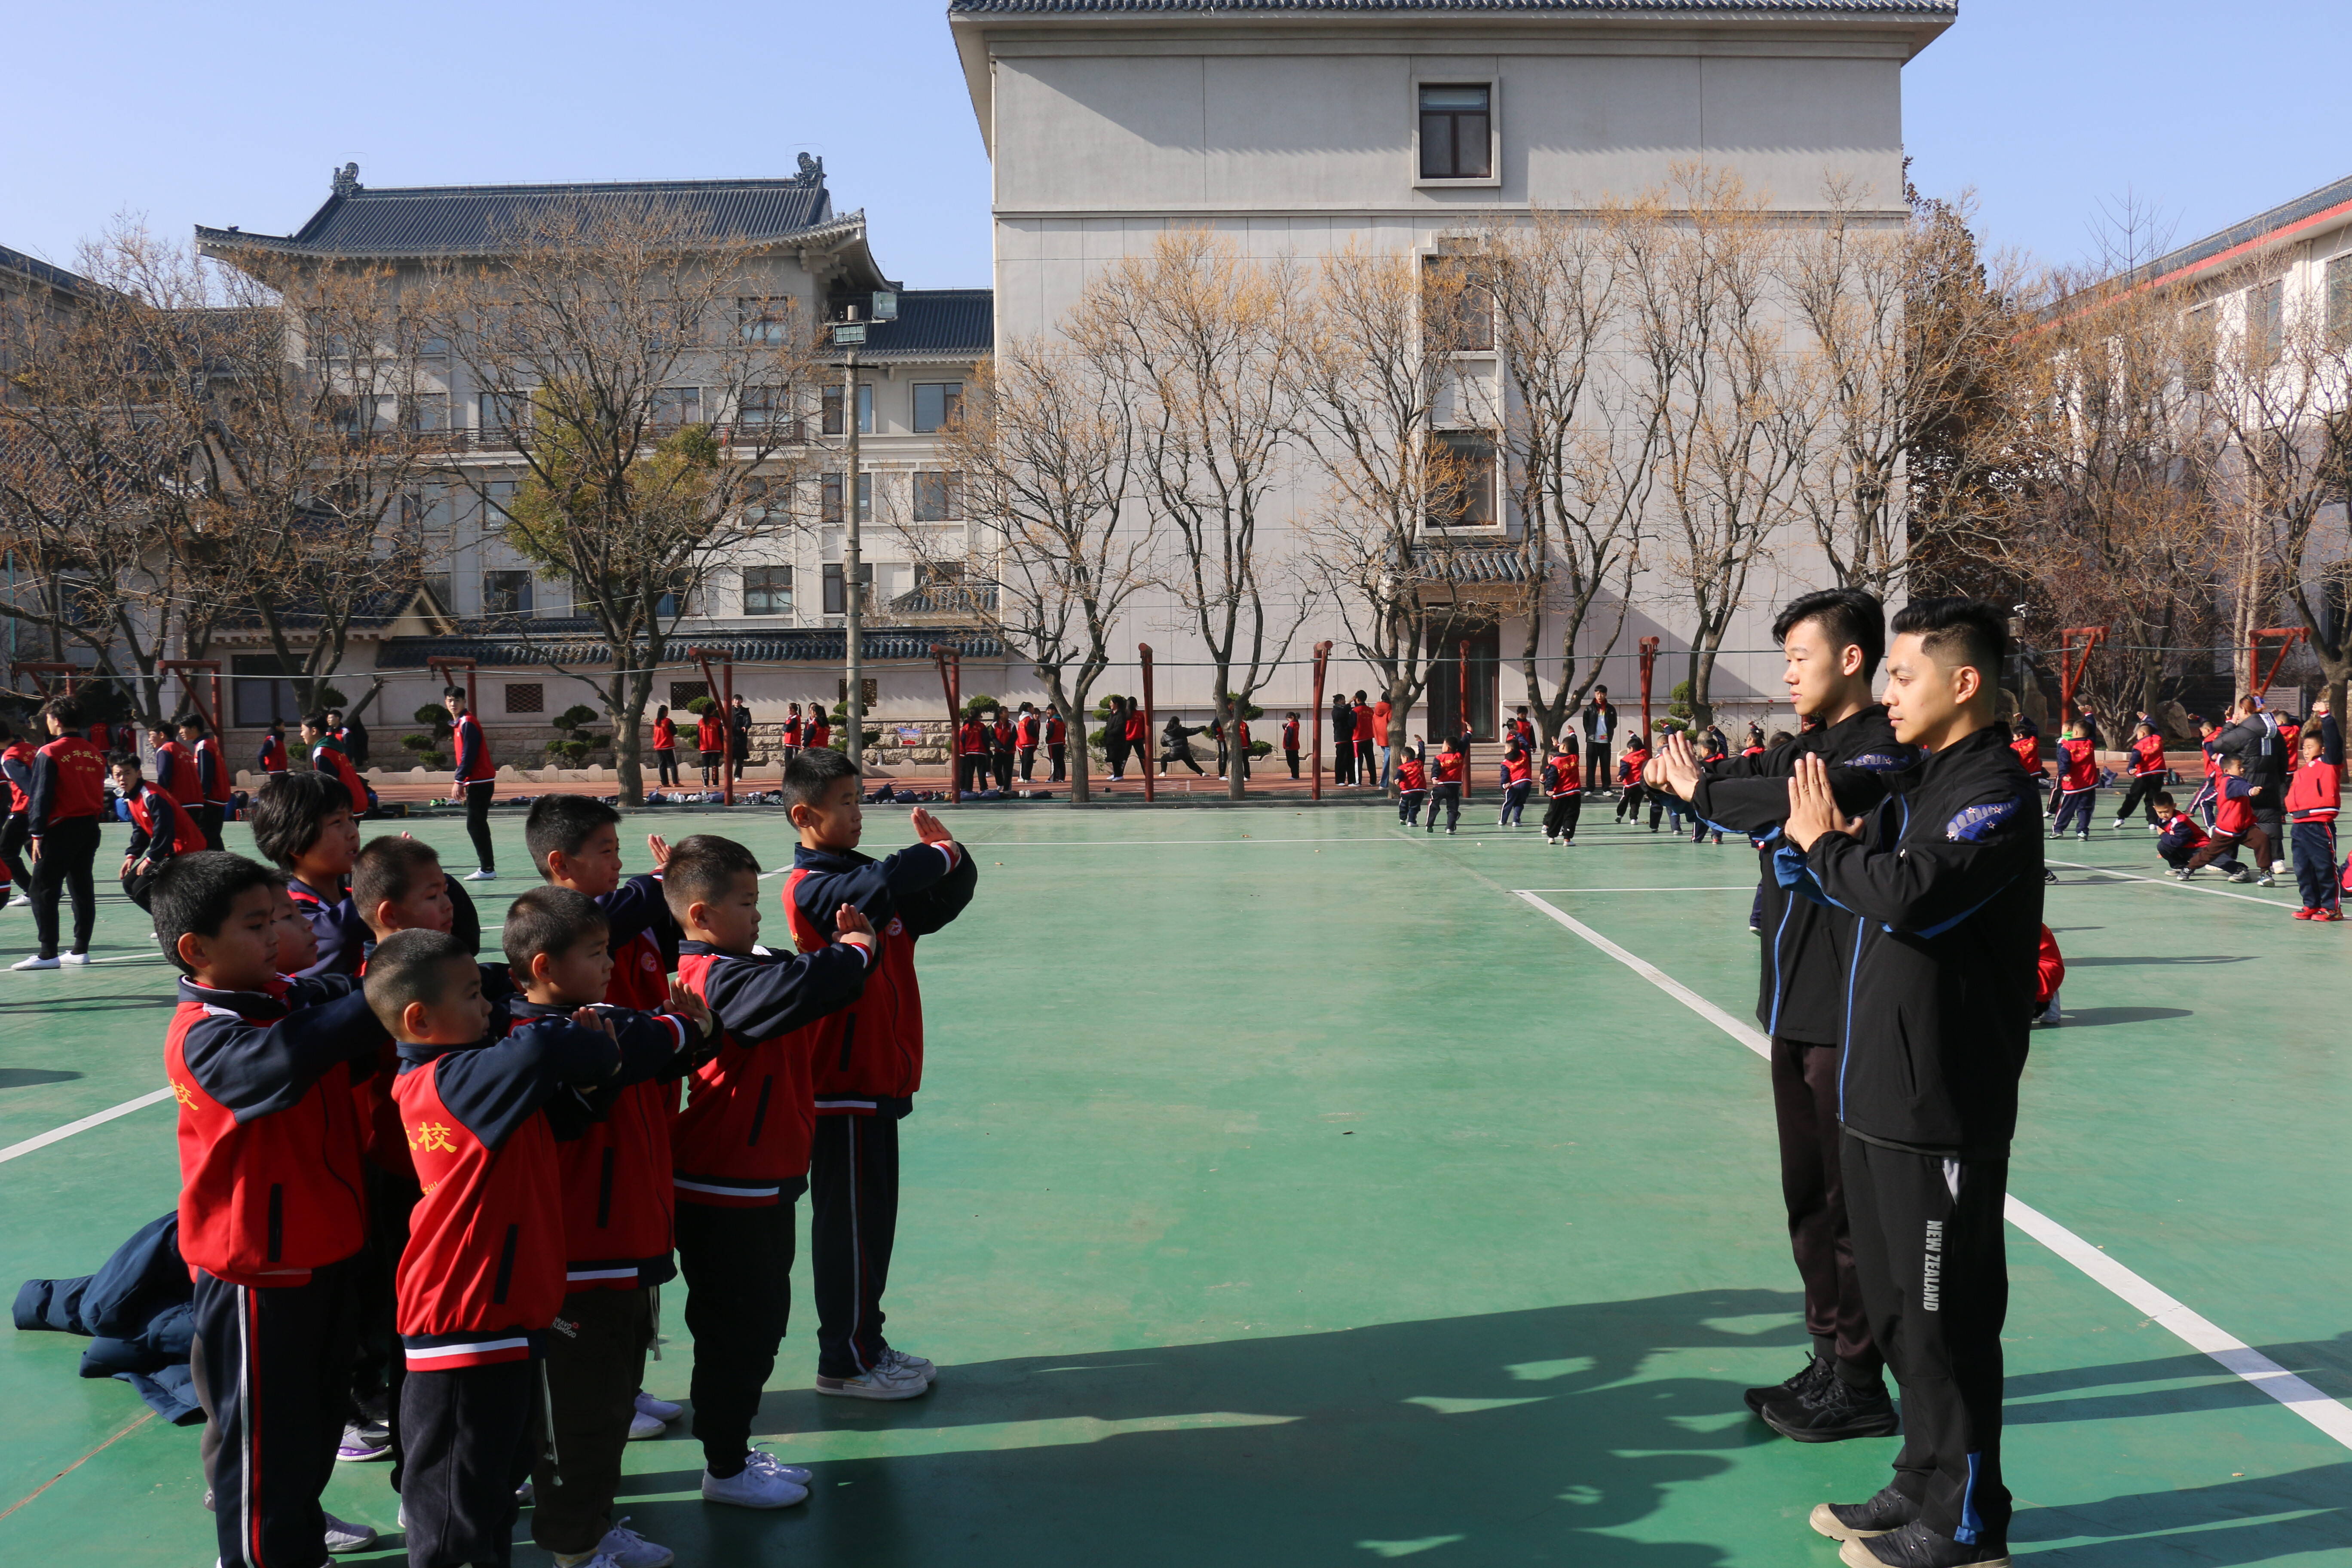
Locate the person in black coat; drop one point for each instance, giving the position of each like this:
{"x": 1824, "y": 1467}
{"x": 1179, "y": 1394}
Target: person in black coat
{"x": 1343, "y": 741}
{"x": 2255, "y": 737}
{"x": 1176, "y": 744}
{"x": 1599, "y": 721}
{"x": 1115, "y": 735}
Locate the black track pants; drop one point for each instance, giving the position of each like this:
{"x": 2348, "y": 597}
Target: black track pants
{"x": 1596, "y": 767}
{"x": 1448, "y": 795}
{"x": 2144, "y": 790}
{"x": 66, "y": 851}
{"x": 477, "y": 822}
{"x": 1061, "y": 759}
{"x": 208, "y": 817}
{"x": 13, "y": 836}
{"x": 2317, "y": 874}
{"x": 270, "y": 1365}
{"x": 1804, "y": 1106}
{"x": 467, "y": 1440}
{"x": 853, "y": 1224}
{"x": 596, "y": 1364}
{"x": 1409, "y": 804}
{"x": 738, "y": 1264}
{"x": 1934, "y": 1266}
{"x": 1559, "y": 816}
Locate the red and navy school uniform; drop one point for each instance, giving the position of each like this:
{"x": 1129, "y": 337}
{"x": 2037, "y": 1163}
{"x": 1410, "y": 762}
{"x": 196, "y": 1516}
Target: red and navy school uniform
{"x": 1025, "y": 742}
{"x": 1057, "y": 748}
{"x": 328, "y": 757}
{"x": 16, "y": 771}
{"x": 212, "y": 789}
{"x": 474, "y": 763}
{"x": 342, "y": 937}
{"x": 792, "y": 727}
{"x": 972, "y": 755}
{"x": 999, "y": 750}
{"x": 1448, "y": 770}
{"x": 2312, "y": 799}
{"x": 2148, "y": 770}
{"x": 867, "y": 1065}
{"x": 160, "y": 829}
{"x": 1412, "y": 789}
{"x": 2078, "y": 783}
{"x": 176, "y": 775}
{"x": 819, "y": 733}
{"x": 272, "y": 756}
{"x": 272, "y": 1212}
{"x": 63, "y": 808}
{"x": 640, "y": 935}
{"x": 711, "y": 737}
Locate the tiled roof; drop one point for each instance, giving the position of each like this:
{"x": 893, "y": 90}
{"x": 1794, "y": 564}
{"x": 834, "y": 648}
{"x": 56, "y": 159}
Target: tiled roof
{"x": 557, "y": 643}
{"x": 2318, "y": 208}
{"x": 424, "y": 220}
{"x": 1770, "y": 7}
{"x": 946, "y": 599}
{"x": 56, "y": 277}
{"x": 936, "y": 324}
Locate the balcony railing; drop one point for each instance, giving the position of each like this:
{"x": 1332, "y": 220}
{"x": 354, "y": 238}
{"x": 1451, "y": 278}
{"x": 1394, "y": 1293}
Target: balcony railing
{"x": 497, "y": 439}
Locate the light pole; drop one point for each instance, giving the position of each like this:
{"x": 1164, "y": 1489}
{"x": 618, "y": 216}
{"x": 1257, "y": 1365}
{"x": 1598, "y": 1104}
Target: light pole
{"x": 850, "y": 334}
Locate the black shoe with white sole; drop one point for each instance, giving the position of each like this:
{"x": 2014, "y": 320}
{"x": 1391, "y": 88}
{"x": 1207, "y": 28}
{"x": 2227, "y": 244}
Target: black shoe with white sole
{"x": 1917, "y": 1546}
{"x": 1803, "y": 1383}
{"x": 1834, "y": 1411}
{"x": 1890, "y": 1509}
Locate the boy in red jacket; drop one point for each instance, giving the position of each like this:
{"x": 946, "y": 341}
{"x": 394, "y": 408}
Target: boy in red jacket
{"x": 1290, "y": 742}
{"x": 2311, "y": 805}
{"x": 1563, "y": 782}
{"x": 271, "y": 1211}
{"x": 1447, "y": 776}
{"x": 2078, "y": 782}
{"x": 2178, "y": 834}
{"x": 740, "y": 1148}
{"x": 2148, "y": 771}
{"x": 1412, "y": 787}
{"x": 482, "y": 1275}
{"x": 867, "y": 1061}
{"x": 2234, "y": 823}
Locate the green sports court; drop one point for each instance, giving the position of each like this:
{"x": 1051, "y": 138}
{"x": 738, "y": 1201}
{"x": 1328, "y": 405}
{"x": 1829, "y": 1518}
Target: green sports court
{"x": 1289, "y": 1189}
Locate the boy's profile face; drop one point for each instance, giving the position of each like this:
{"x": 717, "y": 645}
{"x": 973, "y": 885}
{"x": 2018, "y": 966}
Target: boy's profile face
{"x": 594, "y": 869}
{"x": 575, "y": 977}
{"x": 425, "y": 907}
{"x": 298, "y": 945}
{"x": 460, "y": 1017}
{"x": 837, "y": 820}
{"x": 190, "y": 734}
{"x": 731, "y": 921}
{"x": 338, "y": 844}
{"x": 242, "y": 954}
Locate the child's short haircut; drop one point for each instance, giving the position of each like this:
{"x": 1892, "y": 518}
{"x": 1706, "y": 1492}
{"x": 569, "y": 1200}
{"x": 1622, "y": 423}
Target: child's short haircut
{"x": 810, "y": 773}
{"x": 552, "y": 920}
{"x": 194, "y": 892}
{"x": 388, "y": 867}
{"x": 702, "y": 867}
{"x": 287, "y": 810}
{"x": 2165, "y": 800}
{"x": 563, "y": 822}
{"x": 193, "y": 722}
{"x": 123, "y": 760}
{"x": 318, "y": 722}
{"x": 411, "y": 966}
{"x": 66, "y": 711}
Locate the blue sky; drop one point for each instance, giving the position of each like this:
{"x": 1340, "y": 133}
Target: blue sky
{"x": 235, "y": 112}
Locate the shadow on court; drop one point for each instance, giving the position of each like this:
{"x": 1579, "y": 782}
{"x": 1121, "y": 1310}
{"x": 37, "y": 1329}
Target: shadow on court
{"x": 2094, "y": 1017}
{"x": 25, "y": 1078}
{"x": 1516, "y": 1436}
{"x": 2232, "y": 1521}
{"x": 2170, "y": 958}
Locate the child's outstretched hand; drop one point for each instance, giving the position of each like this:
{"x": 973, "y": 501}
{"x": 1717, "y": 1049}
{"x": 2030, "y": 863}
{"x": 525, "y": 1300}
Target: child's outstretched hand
{"x": 689, "y": 1006}
{"x": 929, "y": 828}
{"x": 660, "y": 847}
{"x": 595, "y": 1022}
{"x": 852, "y": 927}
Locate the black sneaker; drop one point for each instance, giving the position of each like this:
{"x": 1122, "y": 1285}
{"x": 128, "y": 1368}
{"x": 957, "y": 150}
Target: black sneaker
{"x": 1834, "y": 1411}
{"x": 1890, "y": 1509}
{"x": 1917, "y": 1546}
{"x": 1805, "y": 1381}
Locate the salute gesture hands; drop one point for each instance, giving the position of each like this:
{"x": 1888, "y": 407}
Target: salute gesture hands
{"x": 1812, "y": 809}
{"x": 1675, "y": 766}
{"x": 929, "y": 828}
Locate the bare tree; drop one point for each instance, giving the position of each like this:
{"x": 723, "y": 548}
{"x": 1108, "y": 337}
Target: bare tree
{"x": 573, "y": 332}
{"x": 1200, "y": 342}
{"x": 1042, "y": 446}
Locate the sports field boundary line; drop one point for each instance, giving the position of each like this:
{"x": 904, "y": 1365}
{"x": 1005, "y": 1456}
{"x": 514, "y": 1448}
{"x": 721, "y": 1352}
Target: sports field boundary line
{"x": 2171, "y": 882}
{"x": 2235, "y": 1356}
{"x": 98, "y": 1119}
{"x": 1710, "y": 888}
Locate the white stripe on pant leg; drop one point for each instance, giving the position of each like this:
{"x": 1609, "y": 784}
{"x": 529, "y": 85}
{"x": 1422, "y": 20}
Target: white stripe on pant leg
{"x": 857, "y": 1254}
{"x": 2197, "y": 1333}
{"x": 252, "y": 1466}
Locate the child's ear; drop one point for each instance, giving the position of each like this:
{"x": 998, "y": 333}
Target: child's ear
{"x": 698, "y": 913}
{"x": 413, "y": 1019}
{"x": 377, "y": 920}
{"x": 538, "y": 962}
{"x": 190, "y": 948}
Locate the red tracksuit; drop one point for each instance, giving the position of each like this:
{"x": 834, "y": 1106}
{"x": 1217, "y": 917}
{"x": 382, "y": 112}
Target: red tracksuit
{"x": 2312, "y": 797}
{"x": 328, "y": 757}
{"x": 273, "y": 754}
{"x": 175, "y": 773}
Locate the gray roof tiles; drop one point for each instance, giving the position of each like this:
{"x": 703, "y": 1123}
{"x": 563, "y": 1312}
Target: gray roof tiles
{"x": 559, "y": 642}
{"x": 936, "y": 324}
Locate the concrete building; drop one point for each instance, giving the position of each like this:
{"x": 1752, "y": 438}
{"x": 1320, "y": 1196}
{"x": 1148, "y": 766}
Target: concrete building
{"x": 1297, "y": 126}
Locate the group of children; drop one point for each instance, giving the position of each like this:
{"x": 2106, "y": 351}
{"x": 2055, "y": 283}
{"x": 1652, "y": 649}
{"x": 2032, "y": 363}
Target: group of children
{"x": 408, "y": 1176}
{"x": 992, "y": 748}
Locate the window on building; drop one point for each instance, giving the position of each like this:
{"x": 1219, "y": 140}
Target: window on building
{"x": 682, "y": 692}
{"x": 433, "y": 345}
{"x": 506, "y": 594}
{"x": 677, "y": 600}
{"x": 763, "y": 407}
{"x": 767, "y": 502}
{"x": 1456, "y": 126}
{"x": 869, "y": 691}
{"x": 501, "y": 414}
{"x": 936, "y": 403}
{"x": 767, "y": 321}
{"x": 939, "y": 496}
{"x": 829, "y": 505}
{"x": 677, "y": 406}
{"x": 767, "y": 590}
{"x": 836, "y": 602}
{"x": 2339, "y": 299}
{"x": 2265, "y": 320}
{"x": 424, "y": 412}
{"x": 255, "y": 702}
{"x": 526, "y": 697}
{"x": 1466, "y": 498}
{"x": 1460, "y": 307}
{"x": 864, "y": 410}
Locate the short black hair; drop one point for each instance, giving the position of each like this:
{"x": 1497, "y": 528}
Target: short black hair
{"x": 194, "y": 892}
{"x": 65, "y": 711}
{"x": 1960, "y": 631}
{"x": 811, "y": 772}
{"x": 563, "y": 822}
{"x": 700, "y": 869}
{"x": 287, "y": 811}
{"x": 548, "y": 919}
{"x": 387, "y": 867}
{"x": 123, "y": 760}
{"x": 411, "y": 966}
{"x": 1850, "y": 618}
{"x": 317, "y": 720}
{"x": 193, "y": 722}
{"x": 2166, "y": 799}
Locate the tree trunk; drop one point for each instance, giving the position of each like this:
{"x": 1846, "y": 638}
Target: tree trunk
{"x": 627, "y": 743}
{"x": 1702, "y": 677}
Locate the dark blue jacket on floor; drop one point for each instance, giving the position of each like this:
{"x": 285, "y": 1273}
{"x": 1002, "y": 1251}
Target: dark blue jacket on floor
{"x": 138, "y": 1311}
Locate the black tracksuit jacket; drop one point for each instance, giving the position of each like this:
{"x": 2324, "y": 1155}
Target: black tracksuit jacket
{"x": 1801, "y": 989}
{"x": 1945, "y": 887}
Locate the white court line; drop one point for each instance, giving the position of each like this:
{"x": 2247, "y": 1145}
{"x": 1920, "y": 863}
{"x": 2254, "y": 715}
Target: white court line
{"x": 2171, "y": 882}
{"x": 1712, "y": 887}
{"x": 2197, "y": 1333}
{"x": 58, "y": 1134}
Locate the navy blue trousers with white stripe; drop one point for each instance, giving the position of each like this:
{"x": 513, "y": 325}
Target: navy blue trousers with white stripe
{"x": 853, "y": 1223}
{"x": 274, "y": 1366}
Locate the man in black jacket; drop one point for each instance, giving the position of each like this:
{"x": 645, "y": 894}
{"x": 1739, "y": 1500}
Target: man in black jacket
{"x": 1944, "y": 883}
{"x": 2255, "y": 737}
{"x": 1343, "y": 741}
{"x": 1832, "y": 641}
{"x": 1600, "y": 722}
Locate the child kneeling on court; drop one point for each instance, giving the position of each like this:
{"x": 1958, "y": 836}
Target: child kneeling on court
{"x": 740, "y": 1148}
{"x": 161, "y": 828}
{"x": 613, "y": 1151}
{"x": 867, "y": 1060}
{"x": 2178, "y": 835}
{"x": 482, "y": 1276}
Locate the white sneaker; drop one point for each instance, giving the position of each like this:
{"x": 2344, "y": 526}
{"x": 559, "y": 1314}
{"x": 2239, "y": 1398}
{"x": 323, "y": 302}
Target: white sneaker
{"x": 661, "y": 1410}
{"x": 625, "y": 1548}
{"x": 479, "y": 875}
{"x": 890, "y": 1382}
{"x": 35, "y": 962}
{"x": 2278, "y": 867}
{"x": 342, "y": 1535}
{"x": 76, "y": 958}
{"x": 642, "y": 1426}
{"x": 763, "y": 1483}
{"x": 923, "y": 1368}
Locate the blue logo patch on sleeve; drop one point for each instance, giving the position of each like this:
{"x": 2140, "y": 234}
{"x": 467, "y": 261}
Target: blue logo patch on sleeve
{"x": 1881, "y": 762}
{"x": 1973, "y": 822}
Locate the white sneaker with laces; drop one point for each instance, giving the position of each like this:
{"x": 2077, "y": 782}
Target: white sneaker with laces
{"x": 35, "y": 962}
{"x": 642, "y": 1426}
{"x": 923, "y": 1368}
{"x": 625, "y": 1548}
{"x": 888, "y": 1381}
{"x": 479, "y": 875}
{"x": 342, "y": 1535}
{"x": 762, "y": 1483}
{"x": 74, "y": 957}
{"x": 661, "y": 1410}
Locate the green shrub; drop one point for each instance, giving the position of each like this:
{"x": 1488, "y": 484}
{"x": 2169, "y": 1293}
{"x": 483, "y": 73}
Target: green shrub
{"x": 572, "y": 751}
{"x": 701, "y": 705}
{"x": 973, "y": 707}
{"x": 425, "y": 753}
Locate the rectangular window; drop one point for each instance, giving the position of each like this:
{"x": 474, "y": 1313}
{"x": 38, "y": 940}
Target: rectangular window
{"x": 1464, "y": 488}
{"x": 675, "y": 405}
{"x": 2339, "y": 299}
{"x": 767, "y": 590}
{"x": 864, "y": 410}
{"x": 425, "y": 412}
{"x": 767, "y": 502}
{"x": 682, "y": 692}
{"x": 829, "y": 506}
{"x": 936, "y": 403}
{"x": 1457, "y": 142}
{"x": 526, "y": 697}
{"x": 764, "y": 406}
{"x": 506, "y": 594}
{"x": 939, "y": 496}
{"x": 836, "y": 602}
{"x": 434, "y": 346}
{"x": 502, "y": 416}
{"x": 677, "y": 602}
{"x": 767, "y": 321}
{"x": 2265, "y": 320}
{"x": 1460, "y": 308}
{"x": 257, "y": 701}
